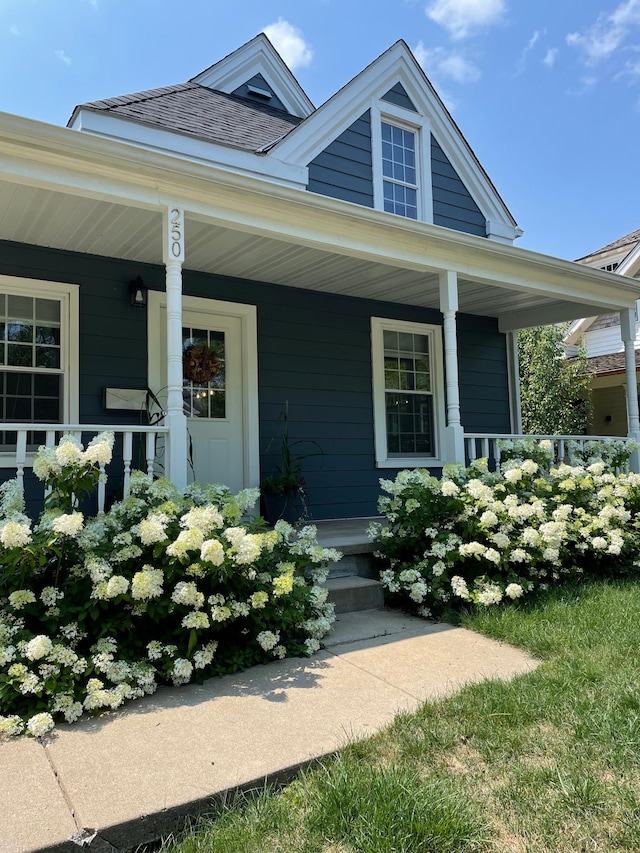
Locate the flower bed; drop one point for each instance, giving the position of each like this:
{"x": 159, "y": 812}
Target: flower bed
{"x": 164, "y": 588}
{"x": 481, "y": 537}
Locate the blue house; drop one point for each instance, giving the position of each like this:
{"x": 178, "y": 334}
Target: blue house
{"x": 234, "y": 249}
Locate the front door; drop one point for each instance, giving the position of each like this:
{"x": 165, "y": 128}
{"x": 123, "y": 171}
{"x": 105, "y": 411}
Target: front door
{"x": 219, "y": 386}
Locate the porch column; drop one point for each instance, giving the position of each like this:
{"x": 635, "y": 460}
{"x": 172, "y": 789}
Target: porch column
{"x": 454, "y": 434}
{"x": 628, "y": 333}
{"x": 173, "y": 257}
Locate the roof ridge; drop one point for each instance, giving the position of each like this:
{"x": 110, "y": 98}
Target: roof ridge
{"x": 139, "y": 97}
{"x": 625, "y": 240}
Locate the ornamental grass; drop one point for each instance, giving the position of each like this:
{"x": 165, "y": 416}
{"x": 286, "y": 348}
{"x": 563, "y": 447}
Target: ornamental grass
{"x": 164, "y": 588}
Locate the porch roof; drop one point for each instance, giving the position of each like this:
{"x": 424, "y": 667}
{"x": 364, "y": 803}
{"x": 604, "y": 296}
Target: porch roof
{"x": 64, "y": 189}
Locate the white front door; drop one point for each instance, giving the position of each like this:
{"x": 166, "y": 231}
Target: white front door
{"x": 219, "y": 387}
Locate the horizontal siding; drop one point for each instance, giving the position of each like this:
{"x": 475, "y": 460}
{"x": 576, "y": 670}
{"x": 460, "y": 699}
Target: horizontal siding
{"x": 314, "y": 352}
{"x": 453, "y": 205}
{"x": 344, "y": 169}
{"x": 603, "y": 341}
{"x": 259, "y": 81}
{"x": 397, "y": 95}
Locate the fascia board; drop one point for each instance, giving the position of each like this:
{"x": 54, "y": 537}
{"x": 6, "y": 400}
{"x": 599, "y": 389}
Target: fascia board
{"x": 117, "y": 128}
{"x": 516, "y": 320}
{"x": 51, "y": 157}
{"x": 302, "y": 144}
{"x": 257, "y": 56}
{"x": 630, "y": 266}
{"x": 578, "y": 329}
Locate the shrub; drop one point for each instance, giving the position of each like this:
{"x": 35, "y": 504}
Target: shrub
{"x": 481, "y": 537}
{"x": 166, "y": 587}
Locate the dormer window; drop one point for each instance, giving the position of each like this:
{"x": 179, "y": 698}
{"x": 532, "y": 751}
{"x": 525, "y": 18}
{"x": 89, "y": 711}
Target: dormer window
{"x": 399, "y": 175}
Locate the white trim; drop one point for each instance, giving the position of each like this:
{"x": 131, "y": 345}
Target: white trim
{"x": 397, "y": 64}
{"x": 248, "y": 317}
{"x": 513, "y": 382}
{"x": 190, "y": 147}
{"x": 257, "y": 56}
{"x": 382, "y": 110}
{"x": 630, "y": 266}
{"x": 383, "y": 460}
{"x": 68, "y": 294}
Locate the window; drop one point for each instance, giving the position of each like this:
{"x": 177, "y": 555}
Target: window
{"x": 408, "y": 392}
{"x": 37, "y": 383}
{"x": 401, "y": 147}
{"x": 399, "y": 176}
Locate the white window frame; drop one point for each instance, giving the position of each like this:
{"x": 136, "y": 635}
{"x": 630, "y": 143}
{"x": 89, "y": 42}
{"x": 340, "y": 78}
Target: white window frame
{"x": 68, "y": 296}
{"x": 383, "y": 111}
{"x": 378, "y": 326}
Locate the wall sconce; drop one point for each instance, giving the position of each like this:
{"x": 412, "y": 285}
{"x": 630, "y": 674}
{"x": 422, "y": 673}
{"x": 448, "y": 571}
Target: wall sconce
{"x": 138, "y": 291}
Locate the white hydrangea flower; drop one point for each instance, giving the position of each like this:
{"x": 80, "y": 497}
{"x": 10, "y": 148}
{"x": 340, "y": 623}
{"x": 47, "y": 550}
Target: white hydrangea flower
{"x": 196, "y": 620}
{"x": 489, "y": 595}
{"x": 147, "y": 583}
{"x": 459, "y": 587}
{"x": 40, "y": 724}
{"x": 203, "y": 518}
{"x": 311, "y": 645}
{"x": 68, "y": 525}
{"x": 212, "y": 552}
{"x": 529, "y": 466}
{"x": 15, "y": 534}
{"x": 204, "y": 656}
{"x": 182, "y": 671}
{"x": 38, "y": 647}
{"x": 153, "y": 528}
{"x": 11, "y": 726}
{"x": 514, "y": 590}
{"x": 449, "y": 488}
{"x": 513, "y": 475}
{"x": 268, "y": 640}
{"x": 21, "y": 597}
{"x": 188, "y": 540}
{"x": 116, "y": 585}
{"x": 492, "y": 555}
{"x": 489, "y": 518}
{"x": 187, "y": 593}
{"x": 99, "y": 450}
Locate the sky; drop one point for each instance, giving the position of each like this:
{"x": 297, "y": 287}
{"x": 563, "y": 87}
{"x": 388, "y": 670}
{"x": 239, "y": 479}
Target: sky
{"x": 546, "y": 92}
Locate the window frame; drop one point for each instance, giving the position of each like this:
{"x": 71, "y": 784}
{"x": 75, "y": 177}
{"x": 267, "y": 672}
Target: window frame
{"x": 67, "y": 295}
{"x": 384, "y": 111}
{"x": 434, "y": 332}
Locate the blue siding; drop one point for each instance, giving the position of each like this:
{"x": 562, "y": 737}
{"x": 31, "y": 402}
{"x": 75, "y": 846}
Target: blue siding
{"x": 259, "y": 81}
{"x": 397, "y": 95}
{"x": 344, "y": 169}
{"x": 453, "y": 206}
{"x": 314, "y": 351}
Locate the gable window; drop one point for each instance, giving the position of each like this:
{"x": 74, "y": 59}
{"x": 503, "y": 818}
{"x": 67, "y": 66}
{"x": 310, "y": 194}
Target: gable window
{"x": 400, "y": 145}
{"x": 36, "y": 355}
{"x": 399, "y": 175}
{"x": 407, "y": 392}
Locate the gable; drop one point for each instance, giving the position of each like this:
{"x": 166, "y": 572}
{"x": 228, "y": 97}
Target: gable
{"x": 259, "y": 91}
{"x": 453, "y": 205}
{"x": 395, "y": 85}
{"x": 344, "y": 169}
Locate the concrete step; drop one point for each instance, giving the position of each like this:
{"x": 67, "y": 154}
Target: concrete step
{"x": 354, "y": 564}
{"x": 353, "y": 593}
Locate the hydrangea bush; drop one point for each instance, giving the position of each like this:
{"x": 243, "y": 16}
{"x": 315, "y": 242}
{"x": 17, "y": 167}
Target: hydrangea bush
{"x": 481, "y": 537}
{"x": 165, "y": 588}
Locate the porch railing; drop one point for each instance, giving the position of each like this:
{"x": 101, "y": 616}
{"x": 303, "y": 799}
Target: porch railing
{"x": 135, "y": 448}
{"x": 478, "y": 445}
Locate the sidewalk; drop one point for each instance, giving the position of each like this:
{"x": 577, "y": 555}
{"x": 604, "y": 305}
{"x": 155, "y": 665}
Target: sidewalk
{"x": 110, "y": 783}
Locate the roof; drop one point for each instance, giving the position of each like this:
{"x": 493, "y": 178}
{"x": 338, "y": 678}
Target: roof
{"x": 196, "y": 110}
{"x": 610, "y": 363}
{"x": 628, "y": 240}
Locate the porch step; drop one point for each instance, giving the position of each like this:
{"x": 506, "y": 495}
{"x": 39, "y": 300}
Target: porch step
{"x": 355, "y": 593}
{"x": 349, "y": 536}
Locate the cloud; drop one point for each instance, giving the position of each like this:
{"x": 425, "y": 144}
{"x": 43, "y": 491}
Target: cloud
{"x": 14, "y": 30}
{"x": 550, "y": 57}
{"x": 461, "y": 17}
{"x": 63, "y": 57}
{"x": 522, "y": 64}
{"x": 290, "y": 44}
{"x": 599, "y": 41}
{"x": 438, "y": 62}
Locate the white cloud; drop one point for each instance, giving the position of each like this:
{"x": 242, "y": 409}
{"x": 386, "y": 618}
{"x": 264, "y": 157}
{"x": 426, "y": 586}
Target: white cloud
{"x": 14, "y": 30}
{"x": 461, "y": 17}
{"x": 522, "y": 64}
{"x": 550, "y": 57}
{"x": 603, "y": 38}
{"x": 290, "y": 44}
{"x": 438, "y": 62}
{"x": 63, "y": 57}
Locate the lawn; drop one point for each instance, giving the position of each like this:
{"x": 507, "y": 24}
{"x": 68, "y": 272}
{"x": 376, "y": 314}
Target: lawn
{"x": 547, "y": 762}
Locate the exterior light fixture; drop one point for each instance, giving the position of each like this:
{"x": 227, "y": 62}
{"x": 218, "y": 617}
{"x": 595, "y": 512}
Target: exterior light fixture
{"x": 138, "y": 292}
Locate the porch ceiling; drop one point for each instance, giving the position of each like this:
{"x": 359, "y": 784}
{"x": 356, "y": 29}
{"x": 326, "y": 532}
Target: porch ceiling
{"x": 69, "y": 191}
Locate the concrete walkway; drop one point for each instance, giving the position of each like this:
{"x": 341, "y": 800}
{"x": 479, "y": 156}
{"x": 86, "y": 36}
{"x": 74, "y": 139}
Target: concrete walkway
{"x": 125, "y": 778}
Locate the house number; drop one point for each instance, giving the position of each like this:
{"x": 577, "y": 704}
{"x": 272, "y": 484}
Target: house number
{"x": 176, "y": 233}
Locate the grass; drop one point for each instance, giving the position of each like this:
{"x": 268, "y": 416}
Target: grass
{"x": 547, "y": 762}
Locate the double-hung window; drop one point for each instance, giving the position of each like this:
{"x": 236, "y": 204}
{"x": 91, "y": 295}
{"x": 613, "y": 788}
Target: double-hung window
{"x": 408, "y": 392}
{"x": 399, "y": 170}
{"x": 38, "y": 361}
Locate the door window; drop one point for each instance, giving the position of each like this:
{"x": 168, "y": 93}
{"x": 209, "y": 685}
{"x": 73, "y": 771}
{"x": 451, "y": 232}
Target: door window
{"x": 204, "y": 373}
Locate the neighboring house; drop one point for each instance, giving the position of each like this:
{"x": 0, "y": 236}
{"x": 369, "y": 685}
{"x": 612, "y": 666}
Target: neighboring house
{"x": 601, "y": 338}
{"x": 353, "y": 260}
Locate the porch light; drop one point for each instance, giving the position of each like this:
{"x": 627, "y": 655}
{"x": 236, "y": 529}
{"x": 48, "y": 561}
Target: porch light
{"x": 138, "y": 291}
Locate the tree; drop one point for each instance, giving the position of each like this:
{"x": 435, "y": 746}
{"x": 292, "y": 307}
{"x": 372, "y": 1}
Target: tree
{"x": 555, "y": 392}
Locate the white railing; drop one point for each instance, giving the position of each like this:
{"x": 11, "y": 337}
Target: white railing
{"x": 19, "y": 453}
{"x": 478, "y": 444}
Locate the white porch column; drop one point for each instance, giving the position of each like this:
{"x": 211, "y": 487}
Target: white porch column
{"x": 454, "y": 434}
{"x": 628, "y": 333}
{"x": 173, "y": 256}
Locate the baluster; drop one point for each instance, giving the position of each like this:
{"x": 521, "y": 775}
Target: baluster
{"x": 127, "y": 453}
{"x": 151, "y": 453}
{"x": 561, "y": 451}
{"x": 21, "y": 456}
{"x": 484, "y": 446}
{"x": 472, "y": 449}
{"x": 102, "y": 488}
{"x": 497, "y": 452}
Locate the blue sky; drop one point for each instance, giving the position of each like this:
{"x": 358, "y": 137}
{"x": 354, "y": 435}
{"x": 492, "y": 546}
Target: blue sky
{"x": 547, "y": 92}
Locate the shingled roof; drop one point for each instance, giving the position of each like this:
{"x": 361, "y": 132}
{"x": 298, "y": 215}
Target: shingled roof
{"x": 628, "y": 240}
{"x": 198, "y": 111}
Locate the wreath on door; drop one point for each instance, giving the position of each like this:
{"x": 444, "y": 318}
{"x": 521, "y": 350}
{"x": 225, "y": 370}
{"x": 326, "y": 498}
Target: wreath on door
{"x": 199, "y": 364}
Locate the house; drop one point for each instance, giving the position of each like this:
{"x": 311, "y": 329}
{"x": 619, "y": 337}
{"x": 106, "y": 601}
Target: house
{"x": 601, "y": 337}
{"x": 234, "y": 249}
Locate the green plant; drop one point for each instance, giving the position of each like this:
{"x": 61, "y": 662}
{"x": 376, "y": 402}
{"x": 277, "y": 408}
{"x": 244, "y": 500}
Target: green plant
{"x": 287, "y": 477}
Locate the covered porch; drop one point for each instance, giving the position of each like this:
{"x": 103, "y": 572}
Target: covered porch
{"x": 173, "y": 219}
